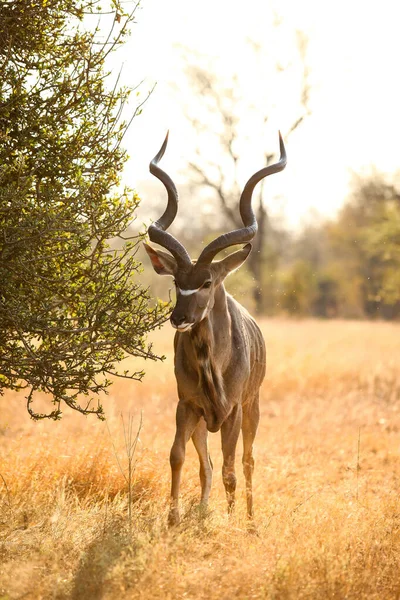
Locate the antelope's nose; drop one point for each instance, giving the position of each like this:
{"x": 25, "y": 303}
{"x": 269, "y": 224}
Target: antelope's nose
{"x": 177, "y": 320}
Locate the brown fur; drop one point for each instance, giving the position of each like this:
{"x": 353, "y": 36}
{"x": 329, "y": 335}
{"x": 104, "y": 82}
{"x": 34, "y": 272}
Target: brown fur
{"x": 210, "y": 383}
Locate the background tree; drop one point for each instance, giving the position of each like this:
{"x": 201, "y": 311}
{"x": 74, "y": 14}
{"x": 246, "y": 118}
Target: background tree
{"x": 223, "y": 110}
{"x": 365, "y": 241}
{"x": 298, "y": 289}
{"x": 309, "y": 260}
{"x": 348, "y": 266}
{"x": 70, "y": 307}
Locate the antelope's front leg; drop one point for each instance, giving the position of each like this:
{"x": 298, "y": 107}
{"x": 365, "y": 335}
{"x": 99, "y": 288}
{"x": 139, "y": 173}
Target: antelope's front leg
{"x": 199, "y": 439}
{"x": 186, "y": 421}
{"x": 229, "y": 436}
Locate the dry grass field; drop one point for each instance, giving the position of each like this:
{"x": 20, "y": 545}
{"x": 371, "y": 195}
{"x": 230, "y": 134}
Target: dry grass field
{"x": 327, "y": 483}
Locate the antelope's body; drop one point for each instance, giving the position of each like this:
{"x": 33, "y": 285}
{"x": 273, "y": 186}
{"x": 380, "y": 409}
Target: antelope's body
{"x": 219, "y": 349}
{"x": 221, "y": 362}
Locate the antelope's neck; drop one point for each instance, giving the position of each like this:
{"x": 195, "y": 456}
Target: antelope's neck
{"x": 214, "y": 331}
{"x": 219, "y": 316}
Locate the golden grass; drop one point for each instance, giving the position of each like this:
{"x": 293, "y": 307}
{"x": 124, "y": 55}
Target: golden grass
{"x": 327, "y": 484}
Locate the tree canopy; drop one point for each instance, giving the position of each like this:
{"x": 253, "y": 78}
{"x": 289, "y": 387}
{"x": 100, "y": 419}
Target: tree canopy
{"x": 70, "y": 304}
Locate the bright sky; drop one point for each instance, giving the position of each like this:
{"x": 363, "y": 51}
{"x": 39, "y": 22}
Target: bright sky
{"x": 354, "y": 60}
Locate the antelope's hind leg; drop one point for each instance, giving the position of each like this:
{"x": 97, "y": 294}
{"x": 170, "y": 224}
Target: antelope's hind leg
{"x": 186, "y": 421}
{"x": 251, "y": 418}
{"x": 229, "y": 436}
{"x": 199, "y": 438}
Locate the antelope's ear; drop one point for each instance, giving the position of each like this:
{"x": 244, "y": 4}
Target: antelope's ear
{"x": 232, "y": 262}
{"x": 163, "y": 263}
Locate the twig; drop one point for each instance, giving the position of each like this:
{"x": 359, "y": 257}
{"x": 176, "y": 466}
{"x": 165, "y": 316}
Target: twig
{"x": 131, "y": 442}
{"x": 296, "y": 508}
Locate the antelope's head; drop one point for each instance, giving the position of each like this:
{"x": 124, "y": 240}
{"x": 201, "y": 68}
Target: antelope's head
{"x": 197, "y": 281}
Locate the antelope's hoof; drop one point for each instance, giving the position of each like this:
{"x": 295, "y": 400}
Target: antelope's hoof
{"x": 252, "y": 528}
{"x": 203, "y": 511}
{"x": 231, "y": 508}
{"x": 173, "y": 518}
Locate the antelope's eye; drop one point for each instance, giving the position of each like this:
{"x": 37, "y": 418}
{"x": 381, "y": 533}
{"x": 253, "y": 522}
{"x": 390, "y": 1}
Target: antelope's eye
{"x": 207, "y": 284}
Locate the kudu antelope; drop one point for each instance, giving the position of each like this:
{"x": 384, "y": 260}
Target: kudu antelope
{"x": 219, "y": 349}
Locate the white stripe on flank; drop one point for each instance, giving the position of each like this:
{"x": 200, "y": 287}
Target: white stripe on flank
{"x": 187, "y": 292}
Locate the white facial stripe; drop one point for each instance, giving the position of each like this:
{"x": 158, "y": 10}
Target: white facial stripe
{"x": 187, "y": 292}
